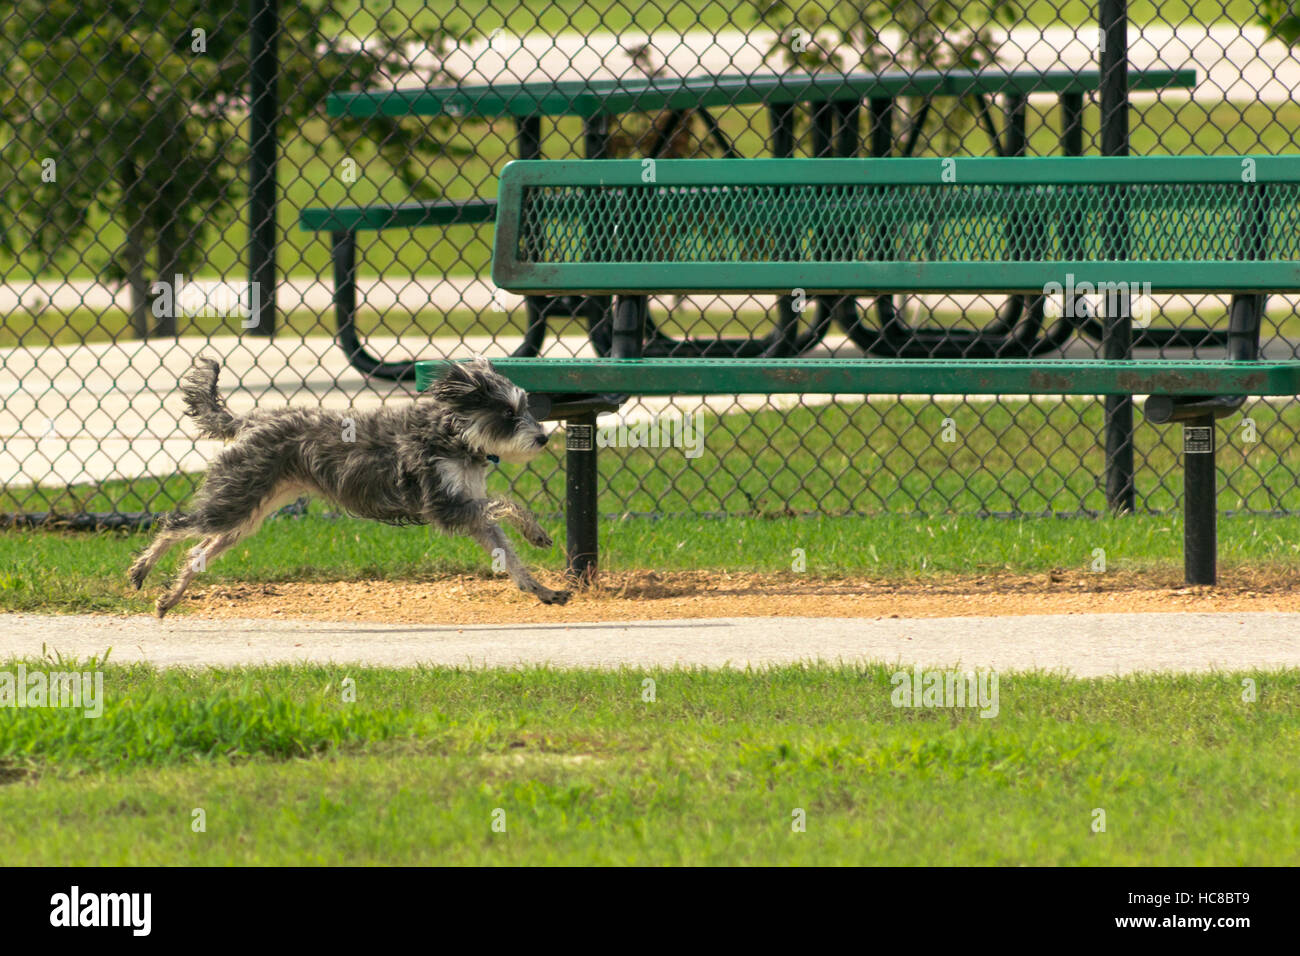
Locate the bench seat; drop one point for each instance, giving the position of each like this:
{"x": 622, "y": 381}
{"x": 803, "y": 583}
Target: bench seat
{"x": 406, "y": 215}
{"x": 857, "y": 376}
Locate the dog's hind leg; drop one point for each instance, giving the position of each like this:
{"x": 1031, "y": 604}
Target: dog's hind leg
{"x": 228, "y": 512}
{"x": 199, "y": 557}
{"x": 172, "y": 532}
{"x": 492, "y": 538}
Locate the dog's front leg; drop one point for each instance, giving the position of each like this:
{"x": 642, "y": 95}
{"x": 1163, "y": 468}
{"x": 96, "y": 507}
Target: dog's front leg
{"x": 475, "y": 517}
{"x": 494, "y": 541}
{"x": 519, "y": 518}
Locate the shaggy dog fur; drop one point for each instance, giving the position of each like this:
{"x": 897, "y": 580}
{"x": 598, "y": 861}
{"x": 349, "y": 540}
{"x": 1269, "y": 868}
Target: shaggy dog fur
{"x": 424, "y": 462}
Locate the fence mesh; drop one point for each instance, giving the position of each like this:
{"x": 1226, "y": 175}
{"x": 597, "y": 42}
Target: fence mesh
{"x": 165, "y": 167}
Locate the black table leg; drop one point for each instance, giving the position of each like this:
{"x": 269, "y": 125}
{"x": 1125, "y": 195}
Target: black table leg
{"x": 598, "y": 310}
{"x": 1021, "y": 317}
{"x": 845, "y": 141}
{"x": 892, "y": 336}
{"x": 1015, "y": 142}
{"x": 528, "y": 145}
{"x": 595, "y": 136}
{"x": 1072, "y": 124}
{"x": 781, "y": 118}
{"x": 881, "y": 129}
{"x": 848, "y": 140}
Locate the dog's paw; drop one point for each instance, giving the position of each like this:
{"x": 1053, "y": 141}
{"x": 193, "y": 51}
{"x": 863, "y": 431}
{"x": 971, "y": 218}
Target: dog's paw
{"x": 538, "y": 538}
{"x": 136, "y": 577}
{"x": 547, "y": 596}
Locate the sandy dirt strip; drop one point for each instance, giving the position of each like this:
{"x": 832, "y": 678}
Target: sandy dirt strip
{"x": 650, "y": 595}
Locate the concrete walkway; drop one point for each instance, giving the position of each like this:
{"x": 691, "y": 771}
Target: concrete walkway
{"x": 102, "y": 411}
{"x": 1086, "y": 645}
{"x": 1233, "y": 62}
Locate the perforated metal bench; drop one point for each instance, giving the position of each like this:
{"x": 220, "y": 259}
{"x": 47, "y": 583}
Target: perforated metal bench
{"x": 834, "y": 227}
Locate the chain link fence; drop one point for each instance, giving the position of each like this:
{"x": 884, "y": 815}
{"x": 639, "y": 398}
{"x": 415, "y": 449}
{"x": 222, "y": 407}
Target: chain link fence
{"x": 181, "y": 180}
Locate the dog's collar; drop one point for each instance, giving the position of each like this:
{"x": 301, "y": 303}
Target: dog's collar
{"x": 494, "y": 459}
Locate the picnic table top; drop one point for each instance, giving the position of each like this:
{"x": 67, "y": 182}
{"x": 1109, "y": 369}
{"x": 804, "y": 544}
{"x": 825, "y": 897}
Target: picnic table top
{"x": 633, "y": 94}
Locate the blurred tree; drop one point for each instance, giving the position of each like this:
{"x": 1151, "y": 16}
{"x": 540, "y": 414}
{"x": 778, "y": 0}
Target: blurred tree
{"x": 1281, "y": 19}
{"x": 142, "y": 108}
{"x": 888, "y": 35}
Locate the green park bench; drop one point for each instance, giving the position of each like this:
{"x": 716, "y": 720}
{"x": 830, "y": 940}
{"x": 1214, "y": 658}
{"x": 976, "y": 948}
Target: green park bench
{"x": 1041, "y": 225}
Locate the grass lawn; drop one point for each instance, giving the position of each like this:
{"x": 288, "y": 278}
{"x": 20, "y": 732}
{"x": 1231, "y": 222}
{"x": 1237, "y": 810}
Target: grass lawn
{"x": 582, "y": 769}
{"x": 616, "y": 16}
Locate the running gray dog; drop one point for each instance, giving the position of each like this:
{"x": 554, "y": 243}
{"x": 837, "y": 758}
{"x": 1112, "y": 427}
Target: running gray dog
{"x": 424, "y": 462}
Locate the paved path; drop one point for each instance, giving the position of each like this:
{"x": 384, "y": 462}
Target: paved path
{"x": 89, "y": 413}
{"x": 1086, "y": 645}
{"x": 1232, "y": 62}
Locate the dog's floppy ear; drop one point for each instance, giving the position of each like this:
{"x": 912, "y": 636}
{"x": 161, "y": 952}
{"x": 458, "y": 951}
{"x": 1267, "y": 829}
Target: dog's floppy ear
{"x": 460, "y": 380}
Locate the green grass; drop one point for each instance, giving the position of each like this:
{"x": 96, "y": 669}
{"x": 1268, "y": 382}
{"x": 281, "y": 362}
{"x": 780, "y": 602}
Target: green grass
{"x": 711, "y": 772}
{"x": 672, "y": 16}
{"x": 51, "y": 326}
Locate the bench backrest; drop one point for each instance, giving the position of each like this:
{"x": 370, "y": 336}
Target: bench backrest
{"x": 1025, "y": 224}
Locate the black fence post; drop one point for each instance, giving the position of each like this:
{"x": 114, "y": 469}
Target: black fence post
{"x": 1117, "y": 331}
{"x": 264, "y": 109}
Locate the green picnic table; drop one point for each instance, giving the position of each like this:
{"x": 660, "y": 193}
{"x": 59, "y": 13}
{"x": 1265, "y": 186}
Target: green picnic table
{"x": 834, "y": 102}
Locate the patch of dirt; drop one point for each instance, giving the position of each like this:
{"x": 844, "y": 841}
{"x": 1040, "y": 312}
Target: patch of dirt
{"x": 649, "y": 595}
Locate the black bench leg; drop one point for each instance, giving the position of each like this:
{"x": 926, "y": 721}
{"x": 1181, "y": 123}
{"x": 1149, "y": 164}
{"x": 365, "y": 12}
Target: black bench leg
{"x": 580, "y": 498}
{"x": 580, "y": 451}
{"x": 1200, "y": 510}
{"x": 344, "y": 253}
{"x": 535, "y": 329}
{"x": 630, "y": 312}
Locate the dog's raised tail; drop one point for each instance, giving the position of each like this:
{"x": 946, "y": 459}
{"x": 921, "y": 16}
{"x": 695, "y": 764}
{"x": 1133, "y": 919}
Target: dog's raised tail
{"x": 204, "y": 403}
